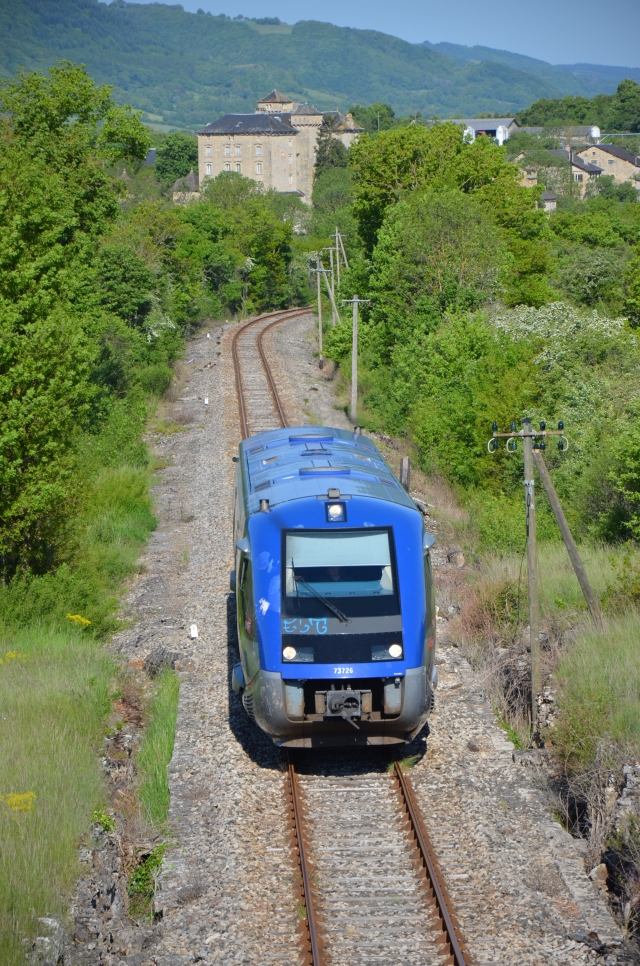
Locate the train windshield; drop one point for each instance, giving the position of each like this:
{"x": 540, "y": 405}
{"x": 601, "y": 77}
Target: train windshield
{"x": 352, "y": 570}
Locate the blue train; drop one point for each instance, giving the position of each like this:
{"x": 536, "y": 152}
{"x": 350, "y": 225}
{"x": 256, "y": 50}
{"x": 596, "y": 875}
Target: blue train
{"x": 335, "y": 597}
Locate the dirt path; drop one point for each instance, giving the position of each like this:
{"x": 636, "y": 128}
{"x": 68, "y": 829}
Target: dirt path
{"x": 226, "y": 894}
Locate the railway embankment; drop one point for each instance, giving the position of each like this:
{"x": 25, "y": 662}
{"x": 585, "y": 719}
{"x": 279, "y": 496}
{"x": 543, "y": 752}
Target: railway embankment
{"x": 227, "y": 891}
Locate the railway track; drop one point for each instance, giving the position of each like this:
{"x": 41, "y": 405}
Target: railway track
{"x": 370, "y": 884}
{"x": 259, "y": 405}
{"x": 370, "y": 881}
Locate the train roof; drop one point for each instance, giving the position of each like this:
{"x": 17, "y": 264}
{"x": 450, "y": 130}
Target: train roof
{"x": 306, "y": 461}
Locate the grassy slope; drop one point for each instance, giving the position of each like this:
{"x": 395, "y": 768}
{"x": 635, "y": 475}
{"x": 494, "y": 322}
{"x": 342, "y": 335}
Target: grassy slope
{"x": 56, "y": 684}
{"x": 189, "y": 68}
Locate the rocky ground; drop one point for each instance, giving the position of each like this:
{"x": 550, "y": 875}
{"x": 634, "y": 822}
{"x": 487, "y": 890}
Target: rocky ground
{"x": 226, "y": 893}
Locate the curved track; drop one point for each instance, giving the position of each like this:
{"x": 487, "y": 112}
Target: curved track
{"x": 370, "y": 883}
{"x": 258, "y": 401}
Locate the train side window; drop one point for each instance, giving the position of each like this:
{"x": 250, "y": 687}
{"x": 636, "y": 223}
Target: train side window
{"x": 248, "y": 607}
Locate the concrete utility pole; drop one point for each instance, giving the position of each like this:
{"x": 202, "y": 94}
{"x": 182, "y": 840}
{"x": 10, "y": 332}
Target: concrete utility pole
{"x": 532, "y": 571}
{"x": 355, "y": 301}
{"x": 333, "y": 281}
{"x": 338, "y": 254}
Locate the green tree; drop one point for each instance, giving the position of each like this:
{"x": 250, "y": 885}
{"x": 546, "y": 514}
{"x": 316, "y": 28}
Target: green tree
{"x": 407, "y": 159}
{"x": 632, "y": 290}
{"x": 374, "y": 118}
{"x": 437, "y": 251}
{"x": 331, "y": 151}
{"x": 175, "y": 157}
{"x": 126, "y": 283}
{"x": 57, "y": 133}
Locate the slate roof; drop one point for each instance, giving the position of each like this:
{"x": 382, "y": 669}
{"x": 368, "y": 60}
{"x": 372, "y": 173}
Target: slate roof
{"x": 189, "y": 183}
{"x": 488, "y": 123}
{"x": 306, "y": 108}
{"x": 251, "y": 124}
{"x": 548, "y": 196}
{"x": 617, "y": 152}
{"x": 275, "y": 97}
{"x": 578, "y": 162}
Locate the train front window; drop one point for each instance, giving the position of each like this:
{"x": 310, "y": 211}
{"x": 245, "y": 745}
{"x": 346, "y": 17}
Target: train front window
{"x": 353, "y": 570}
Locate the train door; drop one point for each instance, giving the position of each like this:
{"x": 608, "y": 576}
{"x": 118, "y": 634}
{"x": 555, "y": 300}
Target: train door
{"x": 430, "y": 615}
{"x": 247, "y": 629}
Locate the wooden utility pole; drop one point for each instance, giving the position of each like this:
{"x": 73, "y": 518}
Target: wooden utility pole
{"x": 527, "y": 434}
{"x": 574, "y": 555}
{"x": 319, "y": 271}
{"x": 532, "y": 570}
{"x": 405, "y": 472}
{"x": 344, "y": 254}
{"x": 335, "y": 318}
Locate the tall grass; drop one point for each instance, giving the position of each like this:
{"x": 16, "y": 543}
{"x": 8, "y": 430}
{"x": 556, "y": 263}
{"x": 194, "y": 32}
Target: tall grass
{"x": 54, "y": 695}
{"x": 157, "y": 748}
{"x": 599, "y": 679}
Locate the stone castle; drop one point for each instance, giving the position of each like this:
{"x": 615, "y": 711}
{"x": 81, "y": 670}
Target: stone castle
{"x": 275, "y": 146}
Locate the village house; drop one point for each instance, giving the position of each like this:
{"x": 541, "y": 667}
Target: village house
{"x": 186, "y": 189}
{"x": 275, "y": 146}
{"x": 582, "y": 171}
{"x": 621, "y": 164}
{"x": 500, "y": 128}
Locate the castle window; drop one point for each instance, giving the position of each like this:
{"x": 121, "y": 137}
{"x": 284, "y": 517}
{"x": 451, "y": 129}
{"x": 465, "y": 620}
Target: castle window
{"x": 238, "y": 150}
{"x": 239, "y": 168}
{"x": 208, "y": 150}
{"x": 227, "y": 150}
{"x": 258, "y": 150}
{"x": 290, "y": 158}
{"x": 208, "y": 169}
{"x": 227, "y": 167}
{"x": 258, "y": 168}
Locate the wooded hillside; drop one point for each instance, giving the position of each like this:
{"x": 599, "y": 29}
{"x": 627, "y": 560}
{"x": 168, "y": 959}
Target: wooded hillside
{"x": 185, "y": 69}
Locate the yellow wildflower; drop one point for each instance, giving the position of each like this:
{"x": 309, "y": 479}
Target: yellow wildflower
{"x": 12, "y": 656}
{"x": 19, "y": 803}
{"x": 79, "y": 619}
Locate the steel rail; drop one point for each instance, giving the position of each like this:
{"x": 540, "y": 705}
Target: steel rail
{"x": 450, "y": 926}
{"x": 281, "y": 316}
{"x": 314, "y": 948}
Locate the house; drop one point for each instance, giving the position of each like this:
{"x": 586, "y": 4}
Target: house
{"x": 186, "y": 189}
{"x": 500, "y": 128}
{"x": 275, "y": 146}
{"x": 528, "y": 177}
{"x": 621, "y": 164}
{"x": 582, "y": 171}
{"x": 548, "y": 201}
{"x": 344, "y": 127}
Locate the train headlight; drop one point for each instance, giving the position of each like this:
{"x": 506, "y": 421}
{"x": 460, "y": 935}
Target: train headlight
{"x": 336, "y": 512}
{"x": 395, "y": 650}
{"x": 289, "y": 653}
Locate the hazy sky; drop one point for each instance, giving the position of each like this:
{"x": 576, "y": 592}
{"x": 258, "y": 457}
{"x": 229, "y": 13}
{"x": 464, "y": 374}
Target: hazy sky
{"x": 554, "y": 30}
